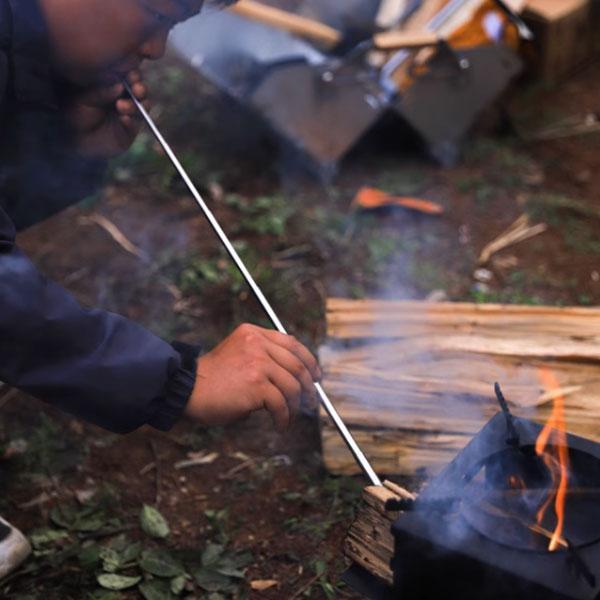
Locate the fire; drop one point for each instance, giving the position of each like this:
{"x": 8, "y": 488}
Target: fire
{"x": 551, "y": 446}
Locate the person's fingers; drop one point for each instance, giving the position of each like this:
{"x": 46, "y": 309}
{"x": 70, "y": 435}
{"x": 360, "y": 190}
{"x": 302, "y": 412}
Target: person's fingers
{"x": 134, "y": 77}
{"x": 140, "y": 90}
{"x": 128, "y": 122}
{"x": 288, "y": 385}
{"x": 126, "y": 107}
{"x": 275, "y": 403}
{"x": 293, "y": 365}
{"x": 293, "y": 345}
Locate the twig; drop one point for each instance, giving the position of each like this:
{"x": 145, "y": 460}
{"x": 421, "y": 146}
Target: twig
{"x": 305, "y": 587}
{"x": 518, "y": 232}
{"x": 149, "y": 467}
{"x": 117, "y": 235}
{"x": 235, "y": 470}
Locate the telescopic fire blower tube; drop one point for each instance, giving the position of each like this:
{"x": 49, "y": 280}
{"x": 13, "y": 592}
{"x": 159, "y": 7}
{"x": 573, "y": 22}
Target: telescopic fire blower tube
{"x": 331, "y": 411}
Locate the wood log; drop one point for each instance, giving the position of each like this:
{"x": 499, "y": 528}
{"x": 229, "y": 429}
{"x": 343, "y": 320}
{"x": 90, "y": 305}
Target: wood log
{"x": 414, "y": 381}
{"x": 295, "y": 24}
{"x": 369, "y": 542}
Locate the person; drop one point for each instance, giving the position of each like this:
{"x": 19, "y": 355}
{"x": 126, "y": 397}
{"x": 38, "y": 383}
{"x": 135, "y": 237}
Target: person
{"x": 63, "y": 112}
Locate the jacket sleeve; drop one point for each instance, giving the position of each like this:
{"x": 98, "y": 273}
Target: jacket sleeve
{"x": 93, "y": 364}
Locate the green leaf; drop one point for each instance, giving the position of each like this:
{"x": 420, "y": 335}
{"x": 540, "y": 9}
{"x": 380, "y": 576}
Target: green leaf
{"x": 155, "y": 589}
{"x": 160, "y": 564}
{"x": 320, "y": 567}
{"x": 63, "y": 516}
{"x": 328, "y": 590}
{"x": 89, "y": 557}
{"x": 111, "y": 561}
{"x": 212, "y": 554}
{"x": 47, "y": 536}
{"x": 211, "y": 581}
{"x": 153, "y": 523}
{"x": 91, "y": 523}
{"x": 178, "y": 584}
{"x": 131, "y": 552}
{"x": 110, "y": 581}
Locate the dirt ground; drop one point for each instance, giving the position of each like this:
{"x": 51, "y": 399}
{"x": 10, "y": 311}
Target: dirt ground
{"x": 259, "y": 492}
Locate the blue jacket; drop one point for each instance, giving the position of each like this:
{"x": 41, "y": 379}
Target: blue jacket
{"x": 93, "y": 364}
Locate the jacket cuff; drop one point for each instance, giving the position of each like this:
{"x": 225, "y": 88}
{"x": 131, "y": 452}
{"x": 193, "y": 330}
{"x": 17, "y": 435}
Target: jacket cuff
{"x": 178, "y": 390}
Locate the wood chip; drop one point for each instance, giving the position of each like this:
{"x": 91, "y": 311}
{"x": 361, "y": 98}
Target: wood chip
{"x": 518, "y": 232}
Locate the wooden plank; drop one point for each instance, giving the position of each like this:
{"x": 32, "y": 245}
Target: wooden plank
{"x": 414, "y": 381}
{"x": 370, "y": 542}
{"x": 295, "y": 24}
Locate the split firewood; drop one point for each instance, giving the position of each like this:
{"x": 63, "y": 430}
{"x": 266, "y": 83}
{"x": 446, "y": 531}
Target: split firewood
{"x": 519, "y": 231}
{"x": 414, "y": 380}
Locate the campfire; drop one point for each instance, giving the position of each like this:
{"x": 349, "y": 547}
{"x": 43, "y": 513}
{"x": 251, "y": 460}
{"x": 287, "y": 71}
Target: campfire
{"x": 515, "y": 515}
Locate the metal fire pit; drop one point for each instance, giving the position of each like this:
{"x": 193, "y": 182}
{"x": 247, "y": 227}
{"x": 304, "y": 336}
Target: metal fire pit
{"x": 449, "y": 545}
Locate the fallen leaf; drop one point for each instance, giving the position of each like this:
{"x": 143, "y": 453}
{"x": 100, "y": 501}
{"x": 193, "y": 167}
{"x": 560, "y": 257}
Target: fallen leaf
{"x": 153, "y": 523}
{"x": 161, "y": 564}
{"x": 260, "y": 585}
{"x": 117, "y": 582}
{"x": 178, "y": 584}
{"x": 155, "y": 589}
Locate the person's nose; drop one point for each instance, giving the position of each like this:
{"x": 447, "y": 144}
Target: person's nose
{"x": 154, "y": 48}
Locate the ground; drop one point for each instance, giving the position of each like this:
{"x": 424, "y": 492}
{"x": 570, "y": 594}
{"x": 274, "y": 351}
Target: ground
{"x": 261, "y": 508}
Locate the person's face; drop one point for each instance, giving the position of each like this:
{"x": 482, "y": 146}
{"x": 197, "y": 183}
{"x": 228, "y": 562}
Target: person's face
{"x": 104, "y": 39}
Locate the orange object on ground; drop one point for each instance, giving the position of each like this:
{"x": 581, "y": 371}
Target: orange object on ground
{"x": 372, "y": 198}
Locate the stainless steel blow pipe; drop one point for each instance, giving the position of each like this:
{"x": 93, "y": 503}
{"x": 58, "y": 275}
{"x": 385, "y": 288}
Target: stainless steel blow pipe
{"x": 354, "y": 448}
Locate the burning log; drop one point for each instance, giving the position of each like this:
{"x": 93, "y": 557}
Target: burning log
{"x": 414, "y": 380}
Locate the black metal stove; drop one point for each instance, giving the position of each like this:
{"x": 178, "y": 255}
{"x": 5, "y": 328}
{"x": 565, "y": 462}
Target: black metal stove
{"x": 473, "y": 533}
{"x": 470, "y": 535}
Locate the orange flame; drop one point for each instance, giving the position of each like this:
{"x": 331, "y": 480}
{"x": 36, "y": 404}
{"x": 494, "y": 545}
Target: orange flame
{"x": 556, "y": 458}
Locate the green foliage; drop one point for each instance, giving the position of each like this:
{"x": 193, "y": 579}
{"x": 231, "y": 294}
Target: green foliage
{"x": 218, "y": 520}
{"x": 113, "y": 582}
{"x": 575, "y": 220}
{"x": 263, "y": 215}
{"x": 50, "y": 449}
{"x": 221, "y": 570}
{"x": 153, "y": 523}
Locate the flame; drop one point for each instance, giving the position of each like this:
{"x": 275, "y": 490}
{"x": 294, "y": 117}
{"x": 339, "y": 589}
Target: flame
{"x": 555, "y": 457}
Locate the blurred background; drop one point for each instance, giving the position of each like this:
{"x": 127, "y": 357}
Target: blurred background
{"x": 422, "y": 151}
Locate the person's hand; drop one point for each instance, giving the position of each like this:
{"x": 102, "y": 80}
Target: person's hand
{"x": 253, "y": 369}
{"x": 105, "y": 122}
